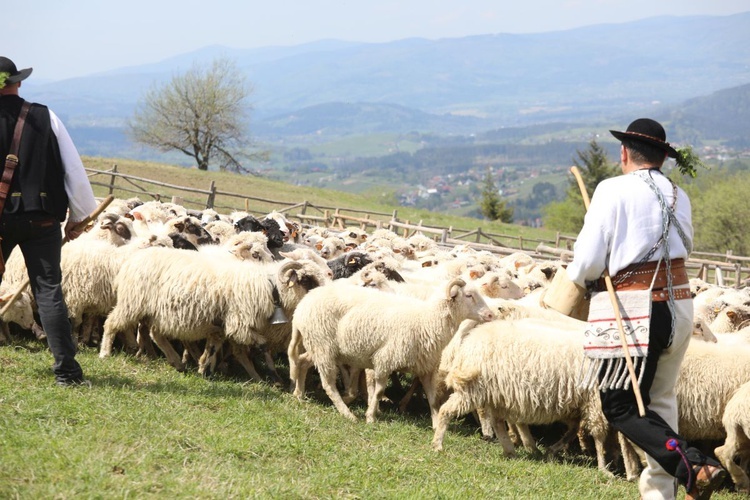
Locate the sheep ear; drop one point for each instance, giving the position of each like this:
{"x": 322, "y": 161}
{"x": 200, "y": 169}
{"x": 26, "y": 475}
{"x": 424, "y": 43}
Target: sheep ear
{"x": 318, "y": 246}
{"x": 293, "y": 279}
{"x": 731, "y": 315}
{"x": 474, "y": 275}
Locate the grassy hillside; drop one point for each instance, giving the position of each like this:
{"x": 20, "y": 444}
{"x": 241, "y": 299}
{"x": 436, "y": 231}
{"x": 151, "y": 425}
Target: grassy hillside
{"x": 283, "y": 192}
{"x": 143, "y": 430}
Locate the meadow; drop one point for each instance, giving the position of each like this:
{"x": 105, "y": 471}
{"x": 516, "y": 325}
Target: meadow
{"x": 144, "y": 430}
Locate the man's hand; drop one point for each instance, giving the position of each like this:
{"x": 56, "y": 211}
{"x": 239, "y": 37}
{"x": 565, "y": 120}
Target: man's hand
{"x": 71, "y": 232}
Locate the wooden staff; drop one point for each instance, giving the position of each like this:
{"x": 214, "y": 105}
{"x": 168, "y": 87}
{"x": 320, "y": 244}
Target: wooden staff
{"x": 615, "y": 306}
{"x": 81, "y": 226}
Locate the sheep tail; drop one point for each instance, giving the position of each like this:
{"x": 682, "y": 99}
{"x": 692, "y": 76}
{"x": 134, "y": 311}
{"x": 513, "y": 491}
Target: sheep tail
{"x": 461, "y": 378}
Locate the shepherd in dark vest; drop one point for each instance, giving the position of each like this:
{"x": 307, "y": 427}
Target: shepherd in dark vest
{"x": 48, "y": 186}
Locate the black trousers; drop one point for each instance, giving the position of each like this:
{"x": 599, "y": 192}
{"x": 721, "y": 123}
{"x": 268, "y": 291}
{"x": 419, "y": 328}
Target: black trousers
{"x": 651, "y": 432}
{"x": 40, "y": 239}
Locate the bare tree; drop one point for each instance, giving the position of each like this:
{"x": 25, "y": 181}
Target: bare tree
{"x": 202, "y": 113}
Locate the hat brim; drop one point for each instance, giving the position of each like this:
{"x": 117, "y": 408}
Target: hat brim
{"x": 627, "y": 136}
{"x": 21, "y": 75}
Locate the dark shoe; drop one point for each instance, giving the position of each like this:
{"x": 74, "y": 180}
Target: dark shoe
{"x": 76, "y": 382}
{"x": 707, "y": 479}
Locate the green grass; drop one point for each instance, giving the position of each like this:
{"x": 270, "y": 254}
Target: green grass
{"x": 144, "y": 430}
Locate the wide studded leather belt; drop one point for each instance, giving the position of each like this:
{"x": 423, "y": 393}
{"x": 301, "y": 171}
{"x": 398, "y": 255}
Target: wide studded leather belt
{"x": 636, "y": 277}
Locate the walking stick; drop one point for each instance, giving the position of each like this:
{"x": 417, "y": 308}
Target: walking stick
{"x": 615, "y": 306}
{"x": 81, "y": 226}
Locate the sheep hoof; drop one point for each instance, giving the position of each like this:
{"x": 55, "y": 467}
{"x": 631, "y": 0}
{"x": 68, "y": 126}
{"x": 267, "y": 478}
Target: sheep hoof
{"x": 437, "y": 446}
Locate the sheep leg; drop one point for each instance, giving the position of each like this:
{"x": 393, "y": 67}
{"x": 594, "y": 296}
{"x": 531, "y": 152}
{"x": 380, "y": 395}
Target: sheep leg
{"x": 514, "y": 434}
{"x": 4, "y": 333}
{"x": 527, "y": 438}
{"x": 272, "y": 367}
{"x": 409, "y": 394}
{"x": 207, "y": 362}
{"x": 373, "y": 398}
{"x": 304, "y": 363}
{"x": 630, "y": 458}
{"x": 87, "y": 328}
{"x": 430, "y": 391}
{"x": 145, "y": 346}
{"x": 500, "y": 427}
{"x": 116, "y": 322}
{"x": 600, "y": 445}
{"x": 454, "y": 407}
{"x": 351, "y": 390}
{"x": 240, "y": 354}
{"x": 129, "y": 340}
{"x": 736, "y": 440}
{"x": 328, "y": 380}
{"x": 166, "y": 347}
{"x": 38, "y": 331}
{"x": 191, "y": 350}
{"x": 484, "y": 416}
{"x": 299, "y": 364}
{"x": 569, "y": 435}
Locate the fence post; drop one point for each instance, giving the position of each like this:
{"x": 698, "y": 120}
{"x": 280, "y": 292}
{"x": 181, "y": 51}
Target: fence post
{"x": 112, "y": 180}
{"x": 211, "y": 195}
{"x": 479, "y": 235}
{"x": 738, "y": 274}
{"x": 444, "y": 236}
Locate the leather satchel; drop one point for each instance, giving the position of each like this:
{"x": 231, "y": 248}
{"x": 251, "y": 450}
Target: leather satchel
{"x": 11, "y": 162}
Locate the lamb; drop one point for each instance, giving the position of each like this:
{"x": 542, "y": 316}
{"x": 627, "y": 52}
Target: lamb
{"x": 399, "y": 341}
{"x": 188, "y": 296}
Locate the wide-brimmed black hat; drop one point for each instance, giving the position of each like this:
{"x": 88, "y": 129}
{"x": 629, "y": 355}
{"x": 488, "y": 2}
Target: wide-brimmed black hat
{"x": 648, "y": 131}
{"x": 8, "y": 66}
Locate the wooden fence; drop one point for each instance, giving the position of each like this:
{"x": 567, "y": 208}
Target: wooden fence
{"x": 722, "y": 269}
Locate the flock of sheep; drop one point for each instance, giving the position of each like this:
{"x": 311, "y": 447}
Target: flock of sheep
{"x": 359, "y": 307}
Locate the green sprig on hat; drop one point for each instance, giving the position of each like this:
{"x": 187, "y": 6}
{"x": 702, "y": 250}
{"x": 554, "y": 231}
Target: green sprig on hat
{"x": 4, "y": 75}
{"x": 687, "y": 161}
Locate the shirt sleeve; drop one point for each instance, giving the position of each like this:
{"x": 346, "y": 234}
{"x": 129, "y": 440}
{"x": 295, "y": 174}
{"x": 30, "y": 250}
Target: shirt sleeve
{"x": 81, "y": 201}
{"x": 593, "y": 242}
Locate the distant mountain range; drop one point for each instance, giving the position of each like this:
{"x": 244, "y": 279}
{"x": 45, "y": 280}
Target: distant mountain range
{"x": 600, "y": 73}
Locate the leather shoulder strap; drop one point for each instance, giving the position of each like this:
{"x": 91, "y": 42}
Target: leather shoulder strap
{"x": 11, "y": 161}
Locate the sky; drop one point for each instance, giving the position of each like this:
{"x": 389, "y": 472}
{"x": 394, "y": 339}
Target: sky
{"x": 70, "y": 38}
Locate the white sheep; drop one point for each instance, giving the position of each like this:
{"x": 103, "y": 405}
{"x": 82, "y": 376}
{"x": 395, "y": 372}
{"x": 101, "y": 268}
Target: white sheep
{"x": 409, "y": 338}
{"x": 188, "y": 296}
{"x": 523, "y": 371}
{"x": 736, "y": 422}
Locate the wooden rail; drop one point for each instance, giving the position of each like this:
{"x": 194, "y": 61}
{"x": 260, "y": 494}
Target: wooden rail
{"x": 722, "y": 269}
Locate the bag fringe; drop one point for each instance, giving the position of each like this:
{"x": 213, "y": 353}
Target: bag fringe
{"x": 609, "y": 374}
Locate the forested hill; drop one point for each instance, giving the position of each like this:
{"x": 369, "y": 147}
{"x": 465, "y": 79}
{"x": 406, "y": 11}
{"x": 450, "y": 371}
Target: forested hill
{"x": 721, "y": 116}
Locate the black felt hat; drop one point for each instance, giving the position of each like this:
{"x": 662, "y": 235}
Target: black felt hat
{"x": 648, "y": 131}
{"x": 8, "y": 66}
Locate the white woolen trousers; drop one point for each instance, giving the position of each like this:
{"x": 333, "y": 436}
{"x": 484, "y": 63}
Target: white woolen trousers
{"x": 655, "y": 482}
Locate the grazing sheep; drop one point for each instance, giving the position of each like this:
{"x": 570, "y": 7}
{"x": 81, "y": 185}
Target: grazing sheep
{"x": 409, "y": 338}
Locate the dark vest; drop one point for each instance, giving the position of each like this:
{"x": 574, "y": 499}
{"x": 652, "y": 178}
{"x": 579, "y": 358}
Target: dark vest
{"x": 39, "y": 180}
